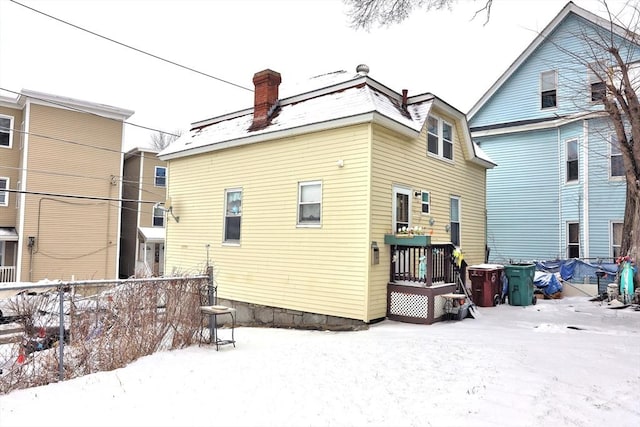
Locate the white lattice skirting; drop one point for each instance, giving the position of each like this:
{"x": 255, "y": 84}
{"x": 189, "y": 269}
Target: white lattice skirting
{"x": 410, "y": 305}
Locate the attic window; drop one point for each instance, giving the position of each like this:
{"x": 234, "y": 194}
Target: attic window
{"x": 439, "y": 138}
{"x": 548, "y": 89}
{"x": 597, "y": 86}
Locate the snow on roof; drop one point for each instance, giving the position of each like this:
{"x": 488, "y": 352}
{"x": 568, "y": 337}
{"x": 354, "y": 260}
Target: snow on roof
{"x": 329, "y": 100}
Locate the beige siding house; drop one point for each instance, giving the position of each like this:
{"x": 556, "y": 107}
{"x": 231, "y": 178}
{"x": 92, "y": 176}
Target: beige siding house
{"x": 143, "y": 214}
{"x": 292, "y": 200}
{"x": 61, "y": 163}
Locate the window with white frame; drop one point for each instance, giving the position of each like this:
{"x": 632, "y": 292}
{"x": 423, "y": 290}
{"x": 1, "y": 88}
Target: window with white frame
{"x": 572, "y": 160}
{"x": 573, "y": 240}
{"x": 616, "y": 167}
{"x": 426, "y": 202}
{"x": 309, "y": 203}
{"x": 454, "y": 221}
{"x": 158, "y": 216}
{"x": 616, "y": 238}
{"x": 160, "y": 176}
{"x": 549, "y": 89}
{"x": 439, "y": 138}
{"x": 4, "y": 195}
{"x": 6, "y": 124}
{"x": 2, "y": 253}
{"x": 232, "y": 214}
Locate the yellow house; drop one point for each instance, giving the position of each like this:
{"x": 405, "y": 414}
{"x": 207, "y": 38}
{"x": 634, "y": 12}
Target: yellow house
{"x": 291, "y": 200}
{"x": 144, "y": 183}
{"x": 60, "y": 169}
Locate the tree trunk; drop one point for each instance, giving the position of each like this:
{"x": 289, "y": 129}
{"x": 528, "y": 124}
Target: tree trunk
{"x": 630, "y": 244}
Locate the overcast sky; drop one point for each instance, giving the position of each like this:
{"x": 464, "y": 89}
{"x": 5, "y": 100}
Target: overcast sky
{"x": 442, "y": 52}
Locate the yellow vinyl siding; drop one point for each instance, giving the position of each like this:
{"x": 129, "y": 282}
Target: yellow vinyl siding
{"x": 10, "y": 168}
{"x": 74, "y": 237}
{"x": 149, "y": 191}
{"x": 321, "y": 270}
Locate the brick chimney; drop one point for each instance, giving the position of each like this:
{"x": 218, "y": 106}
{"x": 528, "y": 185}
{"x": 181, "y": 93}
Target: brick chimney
{"x": 265, "y": 97}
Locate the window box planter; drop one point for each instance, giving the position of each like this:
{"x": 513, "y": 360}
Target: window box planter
{"x": 407, "y": 240}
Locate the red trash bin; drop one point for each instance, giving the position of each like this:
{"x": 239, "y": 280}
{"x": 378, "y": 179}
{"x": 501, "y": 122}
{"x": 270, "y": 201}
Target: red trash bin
{"x": 486, "y": 284}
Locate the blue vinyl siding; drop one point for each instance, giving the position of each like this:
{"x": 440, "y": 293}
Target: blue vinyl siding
{"x": 529, "y": 201}
{"x": 522, "y": 196}
{"x": 519, "y": 97}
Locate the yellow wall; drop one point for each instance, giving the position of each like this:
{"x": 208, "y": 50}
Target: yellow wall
{"x": 321, "y": 270}
{"x": 10, "y": 168}
{"x": 74, "y": 237}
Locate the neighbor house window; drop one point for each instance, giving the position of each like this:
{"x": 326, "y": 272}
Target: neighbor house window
{"x": 597, "y": 86}
{"x": 572, "y": 160}
{"x": 439, "y": 138}
{"x": 161, "y": 176}
{"x": 573, "y": 240}
{"x": 232, "y": 214}
{"x": 616, "y": 238}
{"x": 615, "y": 156}
{"x": 6, "y": 124}
{"x": 4, "y": 195}
{"x": 454, "y": 221}
{"x": 548, "y": 89}
{"x": 309, "y": 203}
{"x": 426, "y": 202}
{"x": 158, "y": 217}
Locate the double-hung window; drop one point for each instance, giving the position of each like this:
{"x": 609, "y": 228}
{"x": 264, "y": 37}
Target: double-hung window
{"x": 597, "y": 86}
{"x": 160, "y": 176}
{"x": 158, "y": 217}
{"x": 572, "y": 160}
{"x": 439, "y": 138}
{"x": 549, "y": 89}
{"x": 426, "y": 202}
{"x": 6, "y": 124}
{"x": 309, "y": 203}
{"x": 573, "y": 240}
{"x": 616, "y": 168}
{"x": 232, "y": 214}
{"x": 4, "y": 195}
{"x": 454, "y": 221}
{"x": 616, "y": 238}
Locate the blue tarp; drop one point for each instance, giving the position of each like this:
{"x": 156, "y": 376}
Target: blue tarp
{"x": 579, "y": 271}
{"x": 547, "y": 282}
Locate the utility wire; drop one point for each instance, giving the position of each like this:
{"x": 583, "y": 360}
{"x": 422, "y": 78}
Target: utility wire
{"x": 132, "y": 48}
{"x": 69, "y": 107}
{"x": 75, "y": 196}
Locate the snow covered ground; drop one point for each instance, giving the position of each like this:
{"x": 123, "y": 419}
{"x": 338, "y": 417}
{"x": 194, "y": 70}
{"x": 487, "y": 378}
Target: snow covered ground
{"x": 568, "y": 362}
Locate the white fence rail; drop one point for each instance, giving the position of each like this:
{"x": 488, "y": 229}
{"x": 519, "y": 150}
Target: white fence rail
{"x": 7, "y": 274}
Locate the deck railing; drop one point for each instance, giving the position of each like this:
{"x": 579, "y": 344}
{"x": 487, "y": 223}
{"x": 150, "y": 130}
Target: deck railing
{"x": 422, "y": 265}
{"x": 8, "y": 274}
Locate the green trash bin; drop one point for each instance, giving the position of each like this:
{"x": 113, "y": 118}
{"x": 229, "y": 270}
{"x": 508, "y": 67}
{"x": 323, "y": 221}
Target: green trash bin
{"x": 520, "y": 277}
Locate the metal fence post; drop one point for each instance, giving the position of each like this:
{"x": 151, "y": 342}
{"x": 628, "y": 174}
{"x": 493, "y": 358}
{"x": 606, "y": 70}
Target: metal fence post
{"x": 61, "y": 335}
{"x": 211, "y": 297}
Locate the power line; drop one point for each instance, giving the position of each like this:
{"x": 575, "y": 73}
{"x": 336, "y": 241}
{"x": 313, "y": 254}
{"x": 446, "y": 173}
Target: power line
{"x": 132, "y": 48}
{"x": 69, "y": 107}
{"x": 75, "y": 196}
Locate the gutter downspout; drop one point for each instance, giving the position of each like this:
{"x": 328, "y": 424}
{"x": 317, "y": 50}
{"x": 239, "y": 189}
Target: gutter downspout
{"x": 23, "y": 187}
{"x": 561, "y": 253}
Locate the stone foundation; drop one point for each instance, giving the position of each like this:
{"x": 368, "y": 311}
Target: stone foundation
{"x": 260, "y": 315}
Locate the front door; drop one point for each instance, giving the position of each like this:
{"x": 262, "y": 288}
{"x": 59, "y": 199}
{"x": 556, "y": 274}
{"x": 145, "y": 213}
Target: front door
{"x": 401, "y": 208}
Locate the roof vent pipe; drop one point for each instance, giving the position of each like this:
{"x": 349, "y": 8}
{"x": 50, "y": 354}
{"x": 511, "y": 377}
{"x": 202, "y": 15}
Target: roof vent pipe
{"x": 362, "y": 69}
{"x": 404, "y": 98}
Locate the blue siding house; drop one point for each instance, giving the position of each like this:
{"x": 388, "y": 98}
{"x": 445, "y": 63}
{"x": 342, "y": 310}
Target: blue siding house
{"x": 559, "y": 190}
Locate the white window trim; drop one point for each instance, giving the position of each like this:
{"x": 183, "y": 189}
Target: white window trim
{"x": 11, "y": 120}
{"x": 155, "y": 176}
{"x": 567, "y": 243}
{"x": 459, "y": 199}
{"x": 8, "y": 185}
{"x": 566, "y": 160}
{"x": 2, "y": 251}
{"x": 440, "y": 135}
{"x": 611, "y": 177}
{"x": 154, "y": 216}
{"x": 308, "y": 225}
{"x": 224, "y": 216}
{"x": 555, "y": 107}
{"x": 422, "y": 202}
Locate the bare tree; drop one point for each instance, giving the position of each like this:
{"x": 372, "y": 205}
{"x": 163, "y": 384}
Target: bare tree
{"x": 161, "y": 140}
{"x": 364, "y": 13}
